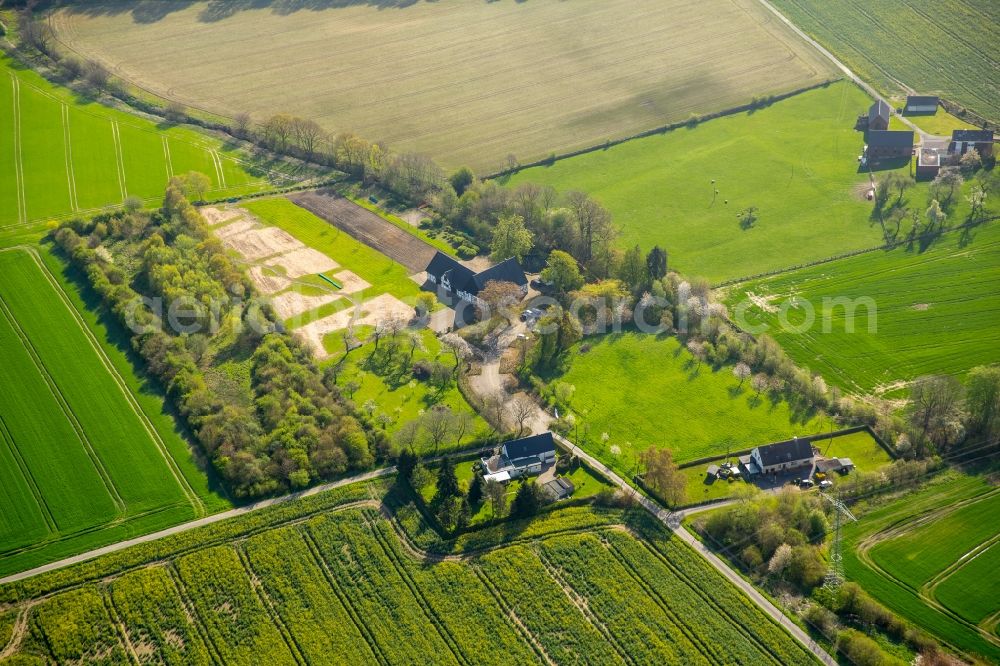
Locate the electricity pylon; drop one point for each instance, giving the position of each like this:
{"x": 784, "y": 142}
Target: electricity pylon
{"x": 835, "y": 574}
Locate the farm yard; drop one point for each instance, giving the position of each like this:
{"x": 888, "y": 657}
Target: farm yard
{"x": 901, "y": 44}
{"x": 87, "y": 456}
{"x": 642, "y": 390}
{"x": 332, "y": 578}
{"x": 60, "y": 156}
{"x": 794, "y": 160}
{"x": 935, "y": 311}
{"x": 481, "y": 80}
{"x": 928, "y": 556}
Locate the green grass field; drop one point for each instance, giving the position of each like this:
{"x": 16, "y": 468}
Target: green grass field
{"x": 88, "y": 455}
{"x": 578, "y": 76}
{"x": 329, "y": 579}
{"x": 645, "y": 391}
{"x": 933, "y": 47}
{"x": 895, "y": 550}
{"x": 860, "y": 447}
{"x": 795, "y": 160}
{"x": 941, "y": 122}
{"x": 62, "y": 155}
{"x": 935, "y": 311}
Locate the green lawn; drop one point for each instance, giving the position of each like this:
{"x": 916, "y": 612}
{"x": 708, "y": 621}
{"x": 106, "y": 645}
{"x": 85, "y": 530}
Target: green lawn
{"x": 860, "y": 447}
{"x": 944, "y": 490}
{"x": 964, "y": 591}
{"x": 643, "y": 390}
{"x": 934, "y": 311}
{"x": 940, "y": 123}
{"x": 61, "y": 154}
{"x": 795, "y": 160}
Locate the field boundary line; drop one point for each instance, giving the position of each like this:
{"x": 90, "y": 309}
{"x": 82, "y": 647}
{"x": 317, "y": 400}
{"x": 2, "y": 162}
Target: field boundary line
{"x": 186, "y": 489}
{"x": 166, "y": 156}
{"x": 267, "y": 603}
{"x": 68, "y": 155}
{"x": 29, "y": 478}
{"x": 217, "y": 162}
{"x": 191, "y": 611}
{"x": 119, "y": 158}
{"x": 930, "y": 587}
{"x": 580, "y": 603}
{"x": 371, "y": 519}
{"x": 22, "y": 205}
{"x": 67, "y": 411}
{"x": 305, "y": 533}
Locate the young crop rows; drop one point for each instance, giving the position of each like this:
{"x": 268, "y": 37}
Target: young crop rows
{"x": 346, "y": 587}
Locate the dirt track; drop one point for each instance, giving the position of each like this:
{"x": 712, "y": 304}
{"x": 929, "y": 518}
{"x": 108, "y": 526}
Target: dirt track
{"x": 367, "y": 227}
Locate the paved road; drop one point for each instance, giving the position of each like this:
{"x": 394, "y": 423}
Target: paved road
{"x": 841, "y": 66}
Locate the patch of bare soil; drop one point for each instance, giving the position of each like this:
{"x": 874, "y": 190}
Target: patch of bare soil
{"x": 367, "y": 227}
{"x": 303, "y": 261}
{"x": 236, "y": 228}
{"x": 921, "y": 306}
{"x": 379, "y": 308}
{"x": 763, "y": 302}
{"x": 350, "y": 282}
{"x": 478, "y": 264}
{"x": 216, "y": 216}
{"x": 256, "y": 244}
{"x": 292, "y": 303}
{"x": 413, "y": 216}
{"x": 267, "y": 280}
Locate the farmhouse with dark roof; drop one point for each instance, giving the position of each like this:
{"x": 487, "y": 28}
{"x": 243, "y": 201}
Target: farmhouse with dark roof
{"x": 779, "y": 457}
{"x": 890, "y": 143}
{"x": 921, "y": 104}
{"x": 520, "y": 457}
{"x": 454, "y": 278}
{"x": 878, "y": 116}
{"x": 964, "y": 139}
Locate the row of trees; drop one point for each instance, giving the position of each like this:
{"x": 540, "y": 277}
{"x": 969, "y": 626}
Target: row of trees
{"x": 293, "y": 428}
{"x": 944, "y": 414}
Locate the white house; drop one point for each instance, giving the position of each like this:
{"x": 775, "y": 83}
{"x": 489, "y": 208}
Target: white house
{"x": 459, "y": 280}
{"x": 520, "y": 457}
{"x": 779, "y": 457}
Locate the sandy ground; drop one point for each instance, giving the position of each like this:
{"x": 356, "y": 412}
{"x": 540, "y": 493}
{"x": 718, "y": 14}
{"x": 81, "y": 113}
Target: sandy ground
{"x": 216, "y": 216}
{"x": 237, "y": 228}
{"x": 379, "y": 308}
{"x": 256, "y": 244}
{"x": 303, "y": 261}
{"x": 351, "y": 282}
{"x": 267, "y": 281}
{"x": 413, "y": 217}
{"x": 292, "y": 303}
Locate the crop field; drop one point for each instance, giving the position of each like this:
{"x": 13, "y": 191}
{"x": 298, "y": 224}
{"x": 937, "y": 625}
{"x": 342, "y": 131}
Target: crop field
{"x": 795, "y": 160}
{"x": 657, "y": 383}
{"x": 931, "y": 555}
{"x": 331, "y": 579}
{"x": 61, "y": 156}
{"x": 900, "y": 44}
{"x": 84, "y": 463}
{"x": 934, "y": 311}
{"x": 480, "y": 80}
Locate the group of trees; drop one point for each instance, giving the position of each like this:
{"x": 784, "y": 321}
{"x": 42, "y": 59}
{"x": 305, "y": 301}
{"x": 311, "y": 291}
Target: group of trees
{"x": 293, "y": 428}
{"x": 944, "y": 414}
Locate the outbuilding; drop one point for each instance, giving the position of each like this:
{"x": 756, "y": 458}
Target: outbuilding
{"x": 921, "y": 104}
{"x": 965, "y": 139}
{"x": 878, "y": 116}
{"x": 889, "y": 144}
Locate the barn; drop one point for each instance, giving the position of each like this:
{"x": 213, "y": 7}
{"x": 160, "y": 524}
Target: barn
{"x": 889, "y": 144}
{"x": 878, "y": 116}
{"x": 964, "y": 139}
{"x": 921, "y": 104}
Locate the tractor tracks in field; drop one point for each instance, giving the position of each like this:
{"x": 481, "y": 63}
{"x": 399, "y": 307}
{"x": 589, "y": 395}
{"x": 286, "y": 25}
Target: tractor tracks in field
{"x": 22, "y": 207}
{"x": 68, "y": 155}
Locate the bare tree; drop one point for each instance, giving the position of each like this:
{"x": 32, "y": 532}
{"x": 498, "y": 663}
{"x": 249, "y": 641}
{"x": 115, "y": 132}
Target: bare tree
{"x": 407, "y": 435}
{"x": 438, "y": 424}
{"x": 495, "y": 408}
{"x": 522, "y": 408}
{"x": 496, "y": 493}
{"x": 276, "y": 130}
{"x": 97, "y": 75}
{"x": 591, "y": 219}
{"x": 241, "y": 124}
{"x": 936, "y": 409}
{"x": 307, "y": 135}
{"x": 461, "y": 425}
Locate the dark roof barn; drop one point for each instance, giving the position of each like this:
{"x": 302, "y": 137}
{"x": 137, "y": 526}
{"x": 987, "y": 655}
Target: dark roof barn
{"x": 879, "y": 111}
{"x": 890, "y": 139}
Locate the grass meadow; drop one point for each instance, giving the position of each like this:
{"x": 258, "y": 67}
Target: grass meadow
{"x": 935, "y": 311}
{"x": 940, "y": 122}
{"x": 914, "y": 554}
{"x": 926, "y": 46}
{"x": 88, "y": 457}
{"x": 480, "y": 80}
{"x": 62, "y": 155}
{"x": 330, "y": 579}
{"x": 644, "y": 391}
{"x": 796, "y": 161}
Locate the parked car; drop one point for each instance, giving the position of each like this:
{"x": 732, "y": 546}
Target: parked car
{"x": 806, "y": 483}
{"x": 825, "y": 483}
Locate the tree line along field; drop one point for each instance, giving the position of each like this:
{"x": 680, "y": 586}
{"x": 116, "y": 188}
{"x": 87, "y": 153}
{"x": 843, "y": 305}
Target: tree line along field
{"x": 87, "y": 456}
{"x": 332, "y": 579}
{"x": 931, "y": 557}
{"x": 642, "y": 390}
{"x": 945, "y": 48}
{"x": 61, "y": 155}
{"x": 935, "y": 311}
{"x": 480, "y": 80}
{"x": 795, "y": 160}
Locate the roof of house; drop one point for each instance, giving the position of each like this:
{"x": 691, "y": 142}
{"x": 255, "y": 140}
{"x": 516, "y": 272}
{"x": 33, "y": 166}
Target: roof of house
{"x": 879, "y": 110}
{"x": 713, "y": 470}
{"x": 921, "y": 100}
{"x": 526, "y": 447}
{"x": 792, "y": 450}
{"x": 976, "y": 135}
{"x": 890, "y": 138}
{"x": 463, "y": 278}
